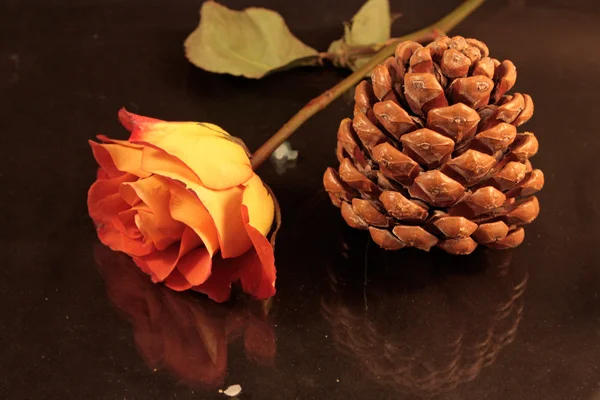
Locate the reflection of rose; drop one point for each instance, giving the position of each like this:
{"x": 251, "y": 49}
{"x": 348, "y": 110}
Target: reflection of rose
{"x": 186, "y": 335}
{"x": 419, "y": 325}
{"x": 174, "y": 195}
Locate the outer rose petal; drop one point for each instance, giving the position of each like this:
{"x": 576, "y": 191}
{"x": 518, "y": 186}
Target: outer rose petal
{"x": 102, "y": 174}
{"x": 218, "y": 162}
{"x": 224, "y": 208}
{"x": 196, "y": 266}
{"x": 256, "y": 269}
{"x": 259, "y": 278}
{"x": 224, "y": 273}
{"x": 132, "y": 121}
{"x": 177, "y": 281}
{"x": 117, "y": 158}
{"x": 126, "y": 143}
{"x": 159, "y": 162}
{"x": 259, "y": 203}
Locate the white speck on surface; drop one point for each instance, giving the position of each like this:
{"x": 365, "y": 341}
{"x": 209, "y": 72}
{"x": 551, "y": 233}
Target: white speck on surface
{"x": 284, "y": 151}
{"x": 232, "y": 390}
{"x": 284, "y": 157}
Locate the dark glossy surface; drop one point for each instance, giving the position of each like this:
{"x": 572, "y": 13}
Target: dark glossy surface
{"x": 349, "y": 321}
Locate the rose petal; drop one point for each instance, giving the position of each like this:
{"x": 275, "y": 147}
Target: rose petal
{"x": 116, "y": 158}
{"x": 224, "y": 208}
{"x": 161, "y": 264}
{"x": 218, "y": 162}
{"x": 195, "y": 266}
{"x": 184, "y": 206}
{"x": 224, "y": 272}
{"x": 259, "y": 203}
{"x": 118, "y": 241}
{"x": 154, "y": 192}
{"x": 159, "y": 162}
{"x": 177, "y": 281}
{"x": 148, "y": 225}
{"x": 103, "y": 188}
{"x": 109, "y": 209}
{"x": 126, "y": 143}
{"x": 104, "y": 206}
{"x": 132, "y": 121}
{"x": 102, "y": 174}
{"x": 258, "y": 278}
{"x": 127, "y": 218}
{"x": 255, "y": 269}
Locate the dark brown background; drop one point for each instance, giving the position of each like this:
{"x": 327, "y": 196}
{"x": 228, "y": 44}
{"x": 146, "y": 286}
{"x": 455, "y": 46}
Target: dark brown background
{"x": 67, "y": 66}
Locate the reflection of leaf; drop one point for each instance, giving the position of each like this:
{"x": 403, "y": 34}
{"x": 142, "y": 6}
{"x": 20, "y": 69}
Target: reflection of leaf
{"x": 252, "y": 43}
{"x": 371, "y": 25}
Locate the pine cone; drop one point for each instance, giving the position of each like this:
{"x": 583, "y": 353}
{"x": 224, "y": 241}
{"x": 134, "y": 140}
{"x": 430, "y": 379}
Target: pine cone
{"x": 432, "y": 156}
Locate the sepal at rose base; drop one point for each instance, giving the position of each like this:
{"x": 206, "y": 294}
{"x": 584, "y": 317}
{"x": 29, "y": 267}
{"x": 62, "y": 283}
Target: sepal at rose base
{"x": 182, "y": 200}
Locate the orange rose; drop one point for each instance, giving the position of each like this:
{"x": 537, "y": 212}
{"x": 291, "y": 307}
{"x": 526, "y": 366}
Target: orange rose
{"x": 181, "y": 198}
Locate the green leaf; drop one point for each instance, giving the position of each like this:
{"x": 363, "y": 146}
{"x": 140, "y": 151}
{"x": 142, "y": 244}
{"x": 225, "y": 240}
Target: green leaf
{"x": 337, "y": 47}
{"x": 251, "y": 43}
{"x": 372, "y": 24}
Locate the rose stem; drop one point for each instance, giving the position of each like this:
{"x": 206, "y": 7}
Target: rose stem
{"x": 318, "y": 103}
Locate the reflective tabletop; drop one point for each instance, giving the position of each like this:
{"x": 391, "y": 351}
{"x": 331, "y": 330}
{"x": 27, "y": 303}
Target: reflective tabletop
{"x": 349, "y": 320}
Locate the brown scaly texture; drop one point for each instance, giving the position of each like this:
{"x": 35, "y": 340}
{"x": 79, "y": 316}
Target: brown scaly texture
{"x": 432, "y": 156}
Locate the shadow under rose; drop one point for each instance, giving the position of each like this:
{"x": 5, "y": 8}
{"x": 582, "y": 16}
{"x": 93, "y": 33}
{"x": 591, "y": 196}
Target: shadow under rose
{"x": 183, "y": 332}
{"x": 422, "y": 323}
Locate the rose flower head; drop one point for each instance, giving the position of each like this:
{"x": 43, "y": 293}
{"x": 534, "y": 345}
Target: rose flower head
{"x": 182, "y": 200}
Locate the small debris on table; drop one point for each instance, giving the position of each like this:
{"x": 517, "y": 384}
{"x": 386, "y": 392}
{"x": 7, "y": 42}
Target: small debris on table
{"x": 232, "y": 390}
{"x": 284, "y": 158}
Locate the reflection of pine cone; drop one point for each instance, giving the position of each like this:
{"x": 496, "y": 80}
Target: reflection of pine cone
{"x": 429, "y": 329}
{"x": 433, "y": 157}
{"x": 187, "y": 335}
